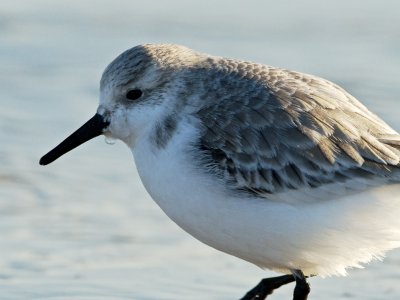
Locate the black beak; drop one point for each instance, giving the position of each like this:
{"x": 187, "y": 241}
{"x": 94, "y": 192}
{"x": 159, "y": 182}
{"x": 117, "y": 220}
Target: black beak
{"x": 92, "y": 128}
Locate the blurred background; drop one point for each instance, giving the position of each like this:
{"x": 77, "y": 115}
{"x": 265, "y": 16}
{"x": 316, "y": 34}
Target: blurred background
{"x": 84, "y": 227}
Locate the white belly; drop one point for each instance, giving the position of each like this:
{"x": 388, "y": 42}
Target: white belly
{"x": 323, "y": 237}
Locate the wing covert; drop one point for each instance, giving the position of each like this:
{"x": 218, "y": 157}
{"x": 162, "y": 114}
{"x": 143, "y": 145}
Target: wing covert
{"x": 293, "y": 131}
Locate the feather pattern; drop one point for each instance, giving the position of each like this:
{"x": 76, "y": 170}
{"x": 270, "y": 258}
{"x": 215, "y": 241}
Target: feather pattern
{"x": 290, "y": 131}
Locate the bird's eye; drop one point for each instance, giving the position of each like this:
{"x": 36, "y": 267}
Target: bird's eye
{"x": 134, "y": 94}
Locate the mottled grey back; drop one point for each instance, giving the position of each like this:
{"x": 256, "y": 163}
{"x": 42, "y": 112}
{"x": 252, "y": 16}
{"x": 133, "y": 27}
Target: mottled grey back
{"x": 266, "y": 130}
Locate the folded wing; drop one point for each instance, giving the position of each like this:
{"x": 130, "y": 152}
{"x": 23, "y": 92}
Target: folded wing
{"x": 276, "y": 130}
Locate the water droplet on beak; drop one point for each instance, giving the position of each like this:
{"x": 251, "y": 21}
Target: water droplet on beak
{"x": 109, "y": 140}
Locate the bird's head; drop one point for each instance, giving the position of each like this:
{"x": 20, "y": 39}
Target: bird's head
{"x": 136, "y": 90}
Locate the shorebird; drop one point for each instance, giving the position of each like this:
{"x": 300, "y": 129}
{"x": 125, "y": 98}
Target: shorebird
{"x": 285, "y": 170}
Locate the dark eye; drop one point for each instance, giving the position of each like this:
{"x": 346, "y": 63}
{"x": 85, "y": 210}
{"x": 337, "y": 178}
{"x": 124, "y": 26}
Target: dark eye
{"x": 134, "y": 94}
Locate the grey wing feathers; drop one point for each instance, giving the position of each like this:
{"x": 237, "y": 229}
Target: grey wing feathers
{"x": 292, "y": 130}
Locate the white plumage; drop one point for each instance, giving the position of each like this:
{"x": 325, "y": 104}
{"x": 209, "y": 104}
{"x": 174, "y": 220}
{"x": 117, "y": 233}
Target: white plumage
{"x": 319, "y": 237}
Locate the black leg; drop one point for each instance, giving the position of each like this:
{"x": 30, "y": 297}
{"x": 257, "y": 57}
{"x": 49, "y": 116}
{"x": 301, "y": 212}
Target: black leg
{"x": 302, "y": 288}
{"x": 267, "y": 286}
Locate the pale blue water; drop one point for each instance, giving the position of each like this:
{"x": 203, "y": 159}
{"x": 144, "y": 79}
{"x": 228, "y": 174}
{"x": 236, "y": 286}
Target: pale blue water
{"x": 84, "y": 227}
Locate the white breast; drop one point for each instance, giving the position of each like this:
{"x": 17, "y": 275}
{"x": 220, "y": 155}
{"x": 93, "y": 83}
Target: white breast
{"x": 324, "y": 237}
{"x": 172, "y": 180}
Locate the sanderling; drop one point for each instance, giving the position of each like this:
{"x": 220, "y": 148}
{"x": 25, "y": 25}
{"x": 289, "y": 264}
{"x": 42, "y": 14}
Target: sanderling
{"x": 282, "y": 169}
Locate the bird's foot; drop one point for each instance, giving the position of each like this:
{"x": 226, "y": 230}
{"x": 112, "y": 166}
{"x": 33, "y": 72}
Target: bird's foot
{"x": 267, "y": 286}
{"x": 302, "y": 288}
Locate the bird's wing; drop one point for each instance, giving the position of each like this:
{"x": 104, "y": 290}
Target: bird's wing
{"x": 277, "y": 130}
